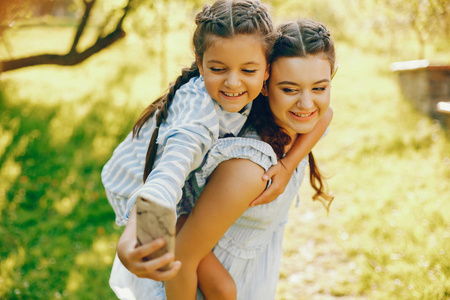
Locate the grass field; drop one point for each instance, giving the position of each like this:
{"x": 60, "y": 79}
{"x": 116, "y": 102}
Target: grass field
{"x": 387, "y": 235}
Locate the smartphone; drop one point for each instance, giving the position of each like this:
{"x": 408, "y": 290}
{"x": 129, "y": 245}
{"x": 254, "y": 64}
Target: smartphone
{"x": 155, "y": 220}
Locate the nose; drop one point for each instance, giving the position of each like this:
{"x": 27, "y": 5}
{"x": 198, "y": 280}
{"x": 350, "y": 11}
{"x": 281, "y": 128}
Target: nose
{"x": 233, "y": 80}
{"x": 305, "y": 101}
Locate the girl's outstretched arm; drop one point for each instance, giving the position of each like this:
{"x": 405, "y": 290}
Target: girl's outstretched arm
{"x": 132, "y": 256}
{"x": 230, "y": 189}
{"x": 282, "y": 172}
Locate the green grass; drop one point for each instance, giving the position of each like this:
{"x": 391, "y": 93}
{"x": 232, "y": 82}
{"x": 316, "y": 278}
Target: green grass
{"x": 386, "y": 236}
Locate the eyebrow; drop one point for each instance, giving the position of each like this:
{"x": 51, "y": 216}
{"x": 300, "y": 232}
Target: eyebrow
{"x": 247, "y": 63}
{"x": 293, "y": 83}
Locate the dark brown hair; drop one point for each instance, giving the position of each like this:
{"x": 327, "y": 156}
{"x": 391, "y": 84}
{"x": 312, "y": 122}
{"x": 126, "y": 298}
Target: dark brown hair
{"x": 225, "y": 18}
{"x": 295, "y": 39}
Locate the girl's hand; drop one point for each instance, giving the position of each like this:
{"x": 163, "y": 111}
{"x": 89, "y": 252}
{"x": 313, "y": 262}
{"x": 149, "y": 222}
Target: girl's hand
{"x": 280, "y": 178}
{"x": 132, "y": 258}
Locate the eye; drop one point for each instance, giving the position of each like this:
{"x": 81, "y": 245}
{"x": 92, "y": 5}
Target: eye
{"x": 320, "y": 89}
{"x": 249, "y": 71}
{"x": 289, "y": 90}
{"x": 216, "y": 70}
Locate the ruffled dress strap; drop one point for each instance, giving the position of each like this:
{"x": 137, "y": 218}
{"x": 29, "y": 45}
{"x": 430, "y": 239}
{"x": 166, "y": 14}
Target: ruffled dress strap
{"x": 257, "y": 151}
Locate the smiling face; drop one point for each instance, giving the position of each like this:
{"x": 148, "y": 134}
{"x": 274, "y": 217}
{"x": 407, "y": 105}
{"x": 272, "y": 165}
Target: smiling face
{"x": 234, "y": 70}
{"x": 299, "y": 92}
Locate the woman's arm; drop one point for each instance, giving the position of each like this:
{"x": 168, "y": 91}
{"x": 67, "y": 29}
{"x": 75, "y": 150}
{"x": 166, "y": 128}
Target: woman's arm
{"x": 282, "y": 172}
{"x": 132, "y": 256}
{"x": 231, "y": 187}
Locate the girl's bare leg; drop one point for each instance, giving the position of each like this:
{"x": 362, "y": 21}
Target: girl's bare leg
{"x": 213, "y": 279}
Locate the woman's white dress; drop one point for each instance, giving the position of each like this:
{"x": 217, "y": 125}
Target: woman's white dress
{"x": 251, "y": 248}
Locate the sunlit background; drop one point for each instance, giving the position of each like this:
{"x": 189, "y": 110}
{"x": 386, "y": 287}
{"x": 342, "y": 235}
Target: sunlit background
{"x": 387, "y": 235}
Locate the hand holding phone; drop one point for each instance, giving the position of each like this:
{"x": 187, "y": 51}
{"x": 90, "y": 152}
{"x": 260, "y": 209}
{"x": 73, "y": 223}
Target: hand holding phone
{"x": 155, "y": 220}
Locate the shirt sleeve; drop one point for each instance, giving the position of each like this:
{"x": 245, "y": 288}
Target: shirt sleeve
{"x": 185, "y": 137}
{"x": 122, "y": 174}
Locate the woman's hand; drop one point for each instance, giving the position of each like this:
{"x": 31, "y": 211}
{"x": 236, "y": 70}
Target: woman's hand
{"x": 280, "y": 178}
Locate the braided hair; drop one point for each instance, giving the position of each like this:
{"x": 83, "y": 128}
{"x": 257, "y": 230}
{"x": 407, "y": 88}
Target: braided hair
{"x": 225, "y": 18}
{"x": 295, "y": 39}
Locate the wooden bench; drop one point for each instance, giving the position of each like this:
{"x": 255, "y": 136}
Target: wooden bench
{"x": 427, "y": 86}
{"x": 443, "y": 107}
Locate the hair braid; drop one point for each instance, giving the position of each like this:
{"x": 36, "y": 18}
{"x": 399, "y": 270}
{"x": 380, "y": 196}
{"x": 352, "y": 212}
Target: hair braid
{"x": 162, "y": 106}
{"x": 300, "y": 38}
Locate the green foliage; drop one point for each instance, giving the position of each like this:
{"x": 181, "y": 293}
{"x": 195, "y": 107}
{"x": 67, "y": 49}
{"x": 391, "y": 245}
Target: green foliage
{"x": 405, "y": 30}
{"x": 386, "y": 236}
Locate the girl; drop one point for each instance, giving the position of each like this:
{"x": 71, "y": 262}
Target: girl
{"x": 249, "y": 239}
{"x": 232, "y": 42}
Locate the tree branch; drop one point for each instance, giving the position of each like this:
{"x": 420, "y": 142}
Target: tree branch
{"x": 72, "y": 57}
{"x": 87, "y": 11}
{"x": 69, "y": 59}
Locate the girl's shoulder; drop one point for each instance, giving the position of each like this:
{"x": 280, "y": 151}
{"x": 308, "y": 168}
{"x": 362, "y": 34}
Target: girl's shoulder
{"x": 192, "y": 111}
{"x": 193, "y": 91}
{"x": 192, "y": 102}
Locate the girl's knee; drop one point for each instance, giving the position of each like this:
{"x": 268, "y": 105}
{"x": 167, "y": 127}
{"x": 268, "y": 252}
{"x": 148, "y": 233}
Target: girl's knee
{"x": 226, "y": 290}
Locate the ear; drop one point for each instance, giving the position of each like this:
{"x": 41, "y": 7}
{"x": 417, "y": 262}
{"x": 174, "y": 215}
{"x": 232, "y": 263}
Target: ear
{"x": 200, "y": 65}
{"x": 267, "y": 73}
{"x": 264, "y": 90}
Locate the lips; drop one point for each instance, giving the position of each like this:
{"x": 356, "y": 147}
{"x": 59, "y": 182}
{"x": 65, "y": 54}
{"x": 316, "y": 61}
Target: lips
{"x": 233, "y": 94}
{"x": 303, "y": 116}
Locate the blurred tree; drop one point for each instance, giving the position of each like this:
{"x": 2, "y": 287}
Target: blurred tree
{"x": 149, "y": 17}
{"x": 427, "y": 19}
{"x": 110, "y": 32}
{"x": 441, "y": 11}
{"x": 153, "y": 21}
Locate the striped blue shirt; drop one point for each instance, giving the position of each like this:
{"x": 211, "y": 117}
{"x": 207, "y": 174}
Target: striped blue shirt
{"x": 194, "y": 124}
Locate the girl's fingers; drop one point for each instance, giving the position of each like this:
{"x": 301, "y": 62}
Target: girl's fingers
{"x": 167, "y": 274}
{"x": 149, "y": 269}
{"x": 147, "y": 249}
{"x": 156, "y": 263}
{"x": 267, "y": 196}
{"x": 266, "y": 176}
{"x": 274, "y": 170}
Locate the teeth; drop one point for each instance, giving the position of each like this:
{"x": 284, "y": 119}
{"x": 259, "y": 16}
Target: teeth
{"x": 233, "y": 94}
{"x": 302, "y": 115}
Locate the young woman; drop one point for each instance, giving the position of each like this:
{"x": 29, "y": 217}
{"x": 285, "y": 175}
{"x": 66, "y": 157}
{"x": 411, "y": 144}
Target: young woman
{"x": 247, "y": 241}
